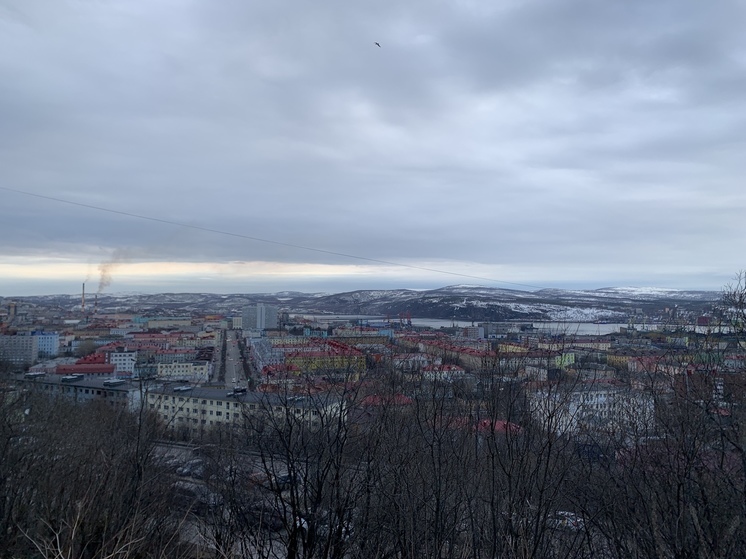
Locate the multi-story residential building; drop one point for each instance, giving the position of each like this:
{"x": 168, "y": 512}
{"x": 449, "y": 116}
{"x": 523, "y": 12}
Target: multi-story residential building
{"x": 325, "y": 356}
{"x": 124, "y": 330}
{"x": 264, "y": 354}
{"x": 442, "y": 373}
{"x": 594, "y": 371}
{"x": 192, "y": 410}
{"x": 48, "y": 343}
{"x": 591, "y": 343}
{"x": 124, "y": 360}
{"x": 116, "y": 393}
{"x": 192, "y": 371}
{"x": 409, "y": 362}
{"x": 495, "y": 330}
{"x": 174, "y": 355}
{"x": 19, "y": 349}
{"x": 168, "y": 322}
{"x": 260, "y": 317}
{"x": 474, "y": 332}
{"x": 600, "y": 407}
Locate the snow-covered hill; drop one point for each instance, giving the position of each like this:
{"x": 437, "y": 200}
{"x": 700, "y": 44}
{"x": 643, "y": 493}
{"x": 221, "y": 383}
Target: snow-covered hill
{"x": 462, "y": 302}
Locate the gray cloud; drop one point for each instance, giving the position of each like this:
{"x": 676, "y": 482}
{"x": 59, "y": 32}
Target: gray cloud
{"x": 544, "y": 136}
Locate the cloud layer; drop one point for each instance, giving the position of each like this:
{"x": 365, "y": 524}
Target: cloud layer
{"x": 572, "y": 143}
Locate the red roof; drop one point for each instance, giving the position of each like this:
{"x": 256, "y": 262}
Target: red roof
{"x": 98, "y": 358}
{"x": 86, "y": 369}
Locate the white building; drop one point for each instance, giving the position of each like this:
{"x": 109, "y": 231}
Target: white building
{"x": 194, "y": 409}
{"x": 48, "y": 344}
{"x": 124, "y": 360}
{"x": 593, "y": 407}
{"x": 192, "y": 371}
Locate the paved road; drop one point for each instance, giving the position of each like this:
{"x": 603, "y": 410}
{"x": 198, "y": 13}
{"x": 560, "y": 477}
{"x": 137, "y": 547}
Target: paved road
{"x": 234, "y": 374}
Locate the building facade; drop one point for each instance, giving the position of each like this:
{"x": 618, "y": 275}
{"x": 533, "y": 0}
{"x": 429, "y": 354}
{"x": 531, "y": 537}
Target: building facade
{"x": 118, "y": 394}
{"x": 19, "y": 350}
{"x": 48, "y": 344}
{"x": 600, "y": 407}
{"x": 192, "y": 371}
{"x": 193, "y": 410}
{"x": 260, "y": 317}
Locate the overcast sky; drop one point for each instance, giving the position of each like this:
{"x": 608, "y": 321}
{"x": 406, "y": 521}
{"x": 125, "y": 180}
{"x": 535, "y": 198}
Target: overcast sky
{"x": 548, "y": 143}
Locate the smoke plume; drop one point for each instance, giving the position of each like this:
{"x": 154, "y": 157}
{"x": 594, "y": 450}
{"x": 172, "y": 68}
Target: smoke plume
{"x": 106, "y": 269}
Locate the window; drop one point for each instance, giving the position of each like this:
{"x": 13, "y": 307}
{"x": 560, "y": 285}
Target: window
{"x": 194, "y": 400}
{"x": 218, "y": 413}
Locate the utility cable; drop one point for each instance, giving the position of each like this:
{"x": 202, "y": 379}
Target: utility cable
{"x": 262, "y": 240}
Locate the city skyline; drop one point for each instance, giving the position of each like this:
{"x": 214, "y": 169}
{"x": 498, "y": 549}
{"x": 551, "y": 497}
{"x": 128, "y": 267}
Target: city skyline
{"x": 200, "y": 147}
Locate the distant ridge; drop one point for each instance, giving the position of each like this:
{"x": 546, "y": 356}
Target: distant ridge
{"x": 460, "y": 302}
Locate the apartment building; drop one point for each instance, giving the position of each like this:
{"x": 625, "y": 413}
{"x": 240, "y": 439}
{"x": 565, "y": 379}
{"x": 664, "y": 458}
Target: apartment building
{"x": 260, "y": 317}
{"x": 19, "y": 349}
{"x": 124, "y": 361}
{"x": 83, "y": 389}
{"x": 48, "y": 343}
{"x": 600, "y": 407}
{"x": 192, "y": 371}
{"x": 196, "y": 409}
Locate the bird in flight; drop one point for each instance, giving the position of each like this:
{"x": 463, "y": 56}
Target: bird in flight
{"x": 377, "y": 44}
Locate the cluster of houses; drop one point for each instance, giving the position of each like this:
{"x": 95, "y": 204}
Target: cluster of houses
{"x": 571, "y": 383}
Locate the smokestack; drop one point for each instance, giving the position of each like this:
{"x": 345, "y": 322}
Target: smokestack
{"x": 82, "y": 300}
{"x": 95, "y": 304}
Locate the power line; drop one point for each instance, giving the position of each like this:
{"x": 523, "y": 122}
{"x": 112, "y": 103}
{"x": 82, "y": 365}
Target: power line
{"x": 262, "y": 240}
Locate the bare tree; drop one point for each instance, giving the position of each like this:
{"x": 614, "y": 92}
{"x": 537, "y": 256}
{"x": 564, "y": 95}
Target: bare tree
{"x": 88, "y": 484}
